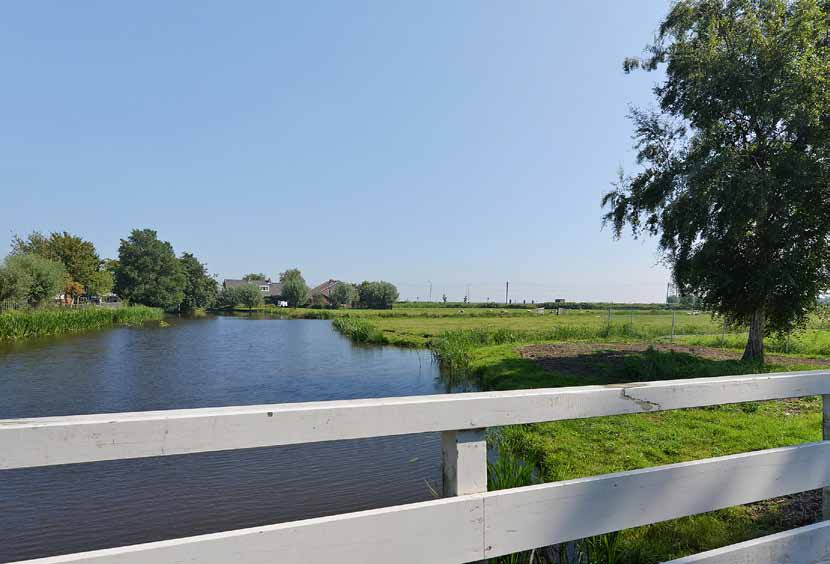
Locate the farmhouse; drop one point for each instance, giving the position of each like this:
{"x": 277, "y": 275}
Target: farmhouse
{"x": 271, "y": 291}
{"x": 322, "y": 294}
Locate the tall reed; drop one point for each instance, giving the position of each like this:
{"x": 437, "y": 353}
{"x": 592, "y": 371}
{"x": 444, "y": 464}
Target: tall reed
{"x": 15, "y": 325}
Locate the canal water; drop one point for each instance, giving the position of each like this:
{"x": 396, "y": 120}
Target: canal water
{"x": 207, "y": 362}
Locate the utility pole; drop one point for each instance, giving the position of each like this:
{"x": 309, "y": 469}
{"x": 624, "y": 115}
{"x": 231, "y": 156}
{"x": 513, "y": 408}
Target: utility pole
{"x": 430, "y": 289}
{"x": 506, "y": 291}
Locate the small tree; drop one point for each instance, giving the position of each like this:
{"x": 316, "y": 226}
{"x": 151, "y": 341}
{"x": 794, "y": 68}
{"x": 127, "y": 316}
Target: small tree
{"x": 31, "y": 279}
{"x": 294, "y": 289}
{"x": 250, "y": 296}
{"x": 254, "y": 276}
{"x": 377, "y": 295}
{"x": 229, "y": 297}
{"x": 343, "y": 293}
{"x": 72, "y": 290}
{"x": 201, "y": 289}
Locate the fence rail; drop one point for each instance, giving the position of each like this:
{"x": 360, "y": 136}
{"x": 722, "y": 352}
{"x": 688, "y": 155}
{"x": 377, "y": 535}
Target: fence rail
{"x": 473, "y": 524}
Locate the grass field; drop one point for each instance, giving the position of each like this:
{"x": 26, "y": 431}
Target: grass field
{"x": 521, "y": 349}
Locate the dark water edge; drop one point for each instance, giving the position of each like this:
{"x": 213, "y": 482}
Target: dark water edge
{"x": 211, "y": 361}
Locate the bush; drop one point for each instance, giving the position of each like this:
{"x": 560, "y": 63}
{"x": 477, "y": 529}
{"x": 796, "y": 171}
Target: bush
{"x": 247, "y": 295}
{"x": 31, "y": 279}
{"x": 359, "y": 330}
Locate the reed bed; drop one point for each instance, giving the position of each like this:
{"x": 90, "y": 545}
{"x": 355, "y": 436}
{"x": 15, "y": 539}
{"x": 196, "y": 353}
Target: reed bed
{"x": 16, "y": 325}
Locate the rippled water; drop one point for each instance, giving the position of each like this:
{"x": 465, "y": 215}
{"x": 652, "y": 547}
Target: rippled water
{"x": 213, "y": 361}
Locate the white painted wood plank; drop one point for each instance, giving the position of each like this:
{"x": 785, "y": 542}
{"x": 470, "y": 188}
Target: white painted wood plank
{"x": 87, "y": 438}
{"x": 468, "y": 528}
{"x": 825, "y": 435}
{"x": 805, "y": 545}
{"x": 444, "y": 531}
{"x": 525, "y": 518}
{"x": 464, "y": 455}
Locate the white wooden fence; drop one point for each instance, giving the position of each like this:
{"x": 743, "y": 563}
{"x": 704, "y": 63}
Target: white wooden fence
{"x": 470, "y": 524}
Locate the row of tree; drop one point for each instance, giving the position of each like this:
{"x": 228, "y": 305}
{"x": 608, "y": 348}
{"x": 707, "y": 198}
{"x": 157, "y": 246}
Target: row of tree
{"x": 148, "y": 272}
{"x": 295, "y": 291}
{"x": 41, "y": 267}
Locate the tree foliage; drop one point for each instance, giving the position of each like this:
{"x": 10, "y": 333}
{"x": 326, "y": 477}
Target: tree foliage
{"x": 246, "y": 295}
{"x": 377, "y": 295}
{"x": 31, "y": 279}
{"x": 343, "y": 293}
{"x": 200, "y": 289}
{"x": 735, "y": 177}
{"x": 249, "y": 295}
{"x": 148, "y": 271}
{"x": 78, "y": 256}
{"x": 101, "y": 283}
{"x": 254, "y": 276}
{"x": 294, "y": 288}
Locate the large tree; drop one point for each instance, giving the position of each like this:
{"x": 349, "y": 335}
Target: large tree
{"x": 735, "y": 164}
{"x": 148, "y": 271}
{"x": 294, "y": 288}
{"x": 200, "y": 289}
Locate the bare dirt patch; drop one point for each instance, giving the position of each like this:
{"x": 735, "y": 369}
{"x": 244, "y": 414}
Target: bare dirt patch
{"x": 586, "y": 358}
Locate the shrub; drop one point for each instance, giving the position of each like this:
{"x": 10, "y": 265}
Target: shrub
{"x": 31, "y": 279}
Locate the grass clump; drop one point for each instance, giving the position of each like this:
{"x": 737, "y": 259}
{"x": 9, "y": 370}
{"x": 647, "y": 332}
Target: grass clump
{"x": 359, "y": 330}
{"x": 16, "y": 325}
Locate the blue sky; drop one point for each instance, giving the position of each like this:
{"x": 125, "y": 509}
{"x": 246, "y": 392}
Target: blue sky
{"x": 453, "y": 142}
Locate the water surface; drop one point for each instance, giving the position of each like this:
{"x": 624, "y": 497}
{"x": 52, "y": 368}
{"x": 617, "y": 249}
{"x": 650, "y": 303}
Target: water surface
{"x": 214, "y": 361}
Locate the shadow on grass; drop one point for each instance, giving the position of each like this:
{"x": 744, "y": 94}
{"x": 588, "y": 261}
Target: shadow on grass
{"x": 606, "y": 367}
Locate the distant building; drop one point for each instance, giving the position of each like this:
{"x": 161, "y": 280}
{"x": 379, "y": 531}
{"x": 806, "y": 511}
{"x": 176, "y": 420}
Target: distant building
{"x": 271, "y": 291}
{"x": 323, "y": 291}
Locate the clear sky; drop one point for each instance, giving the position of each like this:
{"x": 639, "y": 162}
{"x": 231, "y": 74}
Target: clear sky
{"x": 458, "y": 142}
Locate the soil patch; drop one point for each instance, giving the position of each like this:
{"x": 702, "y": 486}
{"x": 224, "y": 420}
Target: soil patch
{"x": 586, "y": 358}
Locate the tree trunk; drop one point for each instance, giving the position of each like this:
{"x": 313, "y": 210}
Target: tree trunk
{"x": 754, "y": 350}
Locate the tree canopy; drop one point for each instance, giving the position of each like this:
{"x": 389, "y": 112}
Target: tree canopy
{"x": 294, "y": 289}
{"x": 254, "y": 276}
{"x": 377, "y": 295}
{"x": 200, "y": 289}
{"x": 343, "y": 293}
{"x": 78, "y": 256}
{"x": 148, "y": 271}
{"x": 735, "y": 163}
{"x": 31, "y": 279}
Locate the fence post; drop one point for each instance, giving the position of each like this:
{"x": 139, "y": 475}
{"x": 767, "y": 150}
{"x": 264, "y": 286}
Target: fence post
{"x": 465, "y": 462}
{"x": 825, "y": 435}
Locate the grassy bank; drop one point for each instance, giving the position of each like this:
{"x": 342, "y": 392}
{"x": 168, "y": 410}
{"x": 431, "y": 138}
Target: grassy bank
{"x": 15, "y": 325}
{"x": 492, "y": 351}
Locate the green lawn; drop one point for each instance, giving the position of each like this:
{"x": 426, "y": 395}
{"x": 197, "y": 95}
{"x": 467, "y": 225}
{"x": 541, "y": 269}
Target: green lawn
{"x": 486, "y": 349}
{"x": 580, "y": 448}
